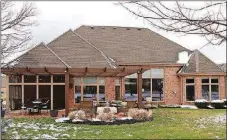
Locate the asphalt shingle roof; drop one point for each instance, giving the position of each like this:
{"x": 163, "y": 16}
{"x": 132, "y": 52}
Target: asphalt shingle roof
{"x": 199, "y": 63}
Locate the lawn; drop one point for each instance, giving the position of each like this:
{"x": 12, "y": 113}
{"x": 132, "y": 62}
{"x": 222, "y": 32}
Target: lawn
{"x": 167, "y": 124}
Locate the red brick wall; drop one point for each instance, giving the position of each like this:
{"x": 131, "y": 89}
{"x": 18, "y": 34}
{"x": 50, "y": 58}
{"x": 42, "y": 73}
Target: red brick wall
{"x": 222, "y": 87}
{"x": 172, "y": 86}
{"x": 109, "y": 88}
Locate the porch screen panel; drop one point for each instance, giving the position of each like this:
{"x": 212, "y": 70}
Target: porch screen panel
{"x": 131, "y": 89}
{"x": 44, "y": 93}
{"x": 15, "y": 96}
{"x": 146, "y": 87}
{"x": 58, "y": 96}
{"x": 29, "y": 93}
{"x": 157, "y": 89}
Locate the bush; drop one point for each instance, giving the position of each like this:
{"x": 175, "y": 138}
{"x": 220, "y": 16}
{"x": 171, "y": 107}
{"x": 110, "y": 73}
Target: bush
{"x": 217, "y": 104}
{"x": 105, "y": 116}
{"x": 201, "y": 103}
{"x": 139, "y": 114}
{"x": 77, "y": 115}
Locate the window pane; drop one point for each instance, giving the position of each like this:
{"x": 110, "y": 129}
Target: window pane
{"x": 101, "y": 80}
{"x": 147, "y": 74}
{"x": 132, "y": 76}
{"x": 205, "y": 80}
{"x": 77, "y": 94}
{"x": 157, "y": 89}
{"x": 44, "y": 78}
{"x": 59, "y": 78}
{"x": 29, "y": 94}
{"x": 205, "y": 92}
{"x": 15, "y": 97}
{"x": 189, "y": 81}
{"x": 90, "y": 93}
{"x": 101, "y": 93}
{"x": 214, "y": 92}
{"x": 131, "y": 89}
{"x": 214, "y": 80}
{"x": 90, "y": 80}
{"x": 157, "y": 73}
{"x": 77, "y": 81}
{"x": 117, "y": 92}
{"x": 146, "y": 88}
{"x": 30, "y": 78}
{"x": 190, "y": 92}
{"x": 15, "y": 79}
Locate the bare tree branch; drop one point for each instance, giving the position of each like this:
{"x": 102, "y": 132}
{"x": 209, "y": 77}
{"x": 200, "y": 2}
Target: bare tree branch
{"x": 16, "y": 27}
{"x": 208, "y": 21}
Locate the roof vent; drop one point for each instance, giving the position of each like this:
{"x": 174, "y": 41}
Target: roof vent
{"x": 128, "y": 28}
{"x": 139, "y": 29}
{"x": 103, "y": 27}
{"x": 92, "y": 27}
{"x": 114, "y": 28}
{"x": 183, "y": 57}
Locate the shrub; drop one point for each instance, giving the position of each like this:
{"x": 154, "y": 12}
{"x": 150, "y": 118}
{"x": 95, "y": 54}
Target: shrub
{"x": 201, "y": 103}
{"x": 139, "y": 114}
{"x": 77, "y": 115}
{"x": 217, "y": 104}
{"x": 105, "y": 116}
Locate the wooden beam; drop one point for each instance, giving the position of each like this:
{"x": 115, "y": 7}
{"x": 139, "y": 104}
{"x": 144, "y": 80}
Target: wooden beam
{"x": 28, "y": 70}
{"x": 139, "y": 89}
{"x": 104, "y": 70}
{"x": 66, "y": 93}
{"x": 46, "y": 70}
{"x": 86, "y": 70}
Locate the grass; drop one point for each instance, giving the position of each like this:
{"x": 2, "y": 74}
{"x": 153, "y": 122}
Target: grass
{"x": 167, "y": 124}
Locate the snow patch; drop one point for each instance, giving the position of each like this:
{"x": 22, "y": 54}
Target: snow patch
{"x": 189, "y": 106}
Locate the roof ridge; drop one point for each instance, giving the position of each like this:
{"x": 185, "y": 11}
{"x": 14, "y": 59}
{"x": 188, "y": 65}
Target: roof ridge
{"x": 42, "y": 43}
{"x": 105, "y": 57}
{"x": 57, "y": 56}
{"x": 113, "y": 26}
{"x": 185, "y": 65}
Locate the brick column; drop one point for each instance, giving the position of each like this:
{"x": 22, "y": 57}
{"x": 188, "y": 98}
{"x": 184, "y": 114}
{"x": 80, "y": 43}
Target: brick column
{"x": 122, "y": 88}
{"x": 222, "y": 88}
{"x": 109, "y": 88}
{"x": 198, "y": 88}
{"x": 69, "y": 92}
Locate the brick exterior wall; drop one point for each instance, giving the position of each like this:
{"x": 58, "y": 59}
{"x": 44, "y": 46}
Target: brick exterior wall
{"x": 172, "y": 86}
{"x": 109, "y": 88}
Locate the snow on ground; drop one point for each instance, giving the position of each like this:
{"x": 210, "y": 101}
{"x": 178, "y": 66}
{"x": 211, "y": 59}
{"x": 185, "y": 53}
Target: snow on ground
{"x": 221, "y": 119}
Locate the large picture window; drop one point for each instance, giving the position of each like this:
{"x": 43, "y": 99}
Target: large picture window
{"x": 89, "y": 89}
{"x": 152, "y": 85}
{"x": 210, "y": 88}
{"x": 190, "y": 89}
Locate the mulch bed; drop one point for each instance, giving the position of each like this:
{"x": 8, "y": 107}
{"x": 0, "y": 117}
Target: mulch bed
{"x": 114, "y": 122}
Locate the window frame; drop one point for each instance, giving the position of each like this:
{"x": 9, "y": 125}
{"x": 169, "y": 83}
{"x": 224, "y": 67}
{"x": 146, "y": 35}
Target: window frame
{"x": 210, "y": 84}
{"x": 189, "y": 84}
{"x": 82, "y": 84}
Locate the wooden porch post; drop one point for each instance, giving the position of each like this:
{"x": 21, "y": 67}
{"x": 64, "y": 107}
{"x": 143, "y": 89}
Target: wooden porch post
{"x": 66, "y": 93}
{"x": 139, "y": 89}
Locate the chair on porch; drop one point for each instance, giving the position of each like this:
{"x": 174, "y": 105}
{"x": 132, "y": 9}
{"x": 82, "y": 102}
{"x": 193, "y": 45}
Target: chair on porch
{"x": 87, "y": 106}
{"x": 45, "y": 106}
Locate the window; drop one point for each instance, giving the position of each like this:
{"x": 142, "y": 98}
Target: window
{"x": 190, "y": 89}
{"x": 146, "y": 88}
{"x": 15, "y": 79}
{"x": 44, "y": 78}
{"x": 210, "y": 88}
{"x": 131, "y": 89}
{"x": 89, "y": 88}
{"x": 152, "y": 85}
{"x": 59, "y": 78}
{"x": 30, "y": 78}
{"x": 117, "y": 89}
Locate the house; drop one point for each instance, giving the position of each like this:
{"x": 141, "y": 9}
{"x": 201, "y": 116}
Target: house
{"x": 3, "y": 87}
{"x": 112, "y": 63}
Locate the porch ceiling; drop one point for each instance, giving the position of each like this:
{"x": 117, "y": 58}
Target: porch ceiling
{"x": 80, "y": 72}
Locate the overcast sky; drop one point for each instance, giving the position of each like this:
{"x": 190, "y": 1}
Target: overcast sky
{"x": 57, "y": 17}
